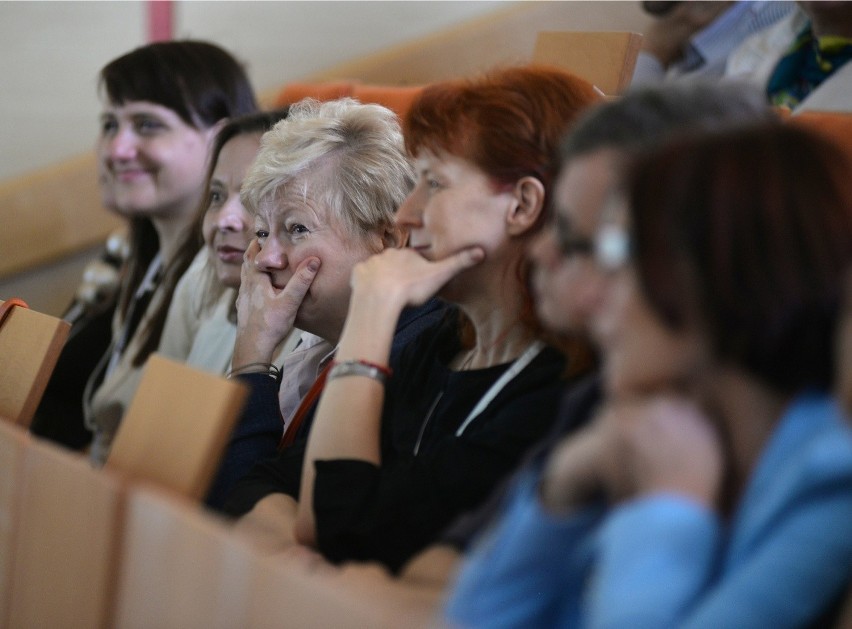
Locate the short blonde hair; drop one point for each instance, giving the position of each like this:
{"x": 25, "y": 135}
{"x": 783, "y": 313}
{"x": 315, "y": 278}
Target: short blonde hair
{"x": 359, "y": 151}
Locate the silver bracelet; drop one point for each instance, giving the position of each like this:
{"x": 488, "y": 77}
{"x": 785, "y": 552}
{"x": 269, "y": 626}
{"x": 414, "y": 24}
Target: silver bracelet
{"x": 358, "y": 368}
{"x": 265, "y": 368}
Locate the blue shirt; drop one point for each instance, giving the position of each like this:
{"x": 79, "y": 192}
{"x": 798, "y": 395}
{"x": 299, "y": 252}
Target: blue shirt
{"x": 664, "y": 561}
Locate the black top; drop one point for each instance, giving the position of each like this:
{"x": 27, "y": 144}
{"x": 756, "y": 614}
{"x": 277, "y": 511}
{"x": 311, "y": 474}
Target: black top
{"x": 577, "y": 409}
{"x": 59, "y": 416}
{"x": 389, "y": 513}
{"x": 260, "y": 427}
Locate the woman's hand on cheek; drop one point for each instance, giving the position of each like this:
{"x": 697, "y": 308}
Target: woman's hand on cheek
{"x": 265, "y": 315}
{"x": 404, "y": 276}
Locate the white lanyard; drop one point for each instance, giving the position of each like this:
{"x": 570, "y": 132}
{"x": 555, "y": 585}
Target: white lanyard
{"x": 523, "y": 360}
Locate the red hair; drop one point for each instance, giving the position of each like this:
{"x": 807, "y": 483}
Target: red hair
{"x": 509, "y": 122}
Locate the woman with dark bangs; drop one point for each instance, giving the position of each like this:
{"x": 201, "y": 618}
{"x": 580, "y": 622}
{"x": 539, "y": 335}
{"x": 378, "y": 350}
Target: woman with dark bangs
{"x": 397, "y": 450}
{"x": 728, "y": 479}
{"x": 162, "y": 106}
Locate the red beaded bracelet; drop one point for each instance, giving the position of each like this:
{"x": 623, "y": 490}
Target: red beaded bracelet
{"x": 357, "y": 367}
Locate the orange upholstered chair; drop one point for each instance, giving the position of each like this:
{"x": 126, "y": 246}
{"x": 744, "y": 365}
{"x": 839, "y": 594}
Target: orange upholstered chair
{"x": 397, "y": 99}
{"x": 294, "y": 92}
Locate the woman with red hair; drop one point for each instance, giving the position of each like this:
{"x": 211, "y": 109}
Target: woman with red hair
{"x": 396, "y": 451}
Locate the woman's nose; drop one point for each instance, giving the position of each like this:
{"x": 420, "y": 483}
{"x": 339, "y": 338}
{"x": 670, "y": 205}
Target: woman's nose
{"x": 232, "y": 216}
{"x": 410, "y": 212}
{"x": 272, "y": 256}
{"x": 124, "y": 145}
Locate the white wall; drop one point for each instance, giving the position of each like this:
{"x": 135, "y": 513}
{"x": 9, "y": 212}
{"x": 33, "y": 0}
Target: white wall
{"x": 51, "y": 52}
{"x": 294, "y": 39}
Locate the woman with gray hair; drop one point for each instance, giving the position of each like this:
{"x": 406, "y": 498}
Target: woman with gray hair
{"x": 323, "y": 192}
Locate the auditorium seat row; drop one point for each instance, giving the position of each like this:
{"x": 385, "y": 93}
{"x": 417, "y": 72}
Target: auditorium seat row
{"x": 88, "y": 548}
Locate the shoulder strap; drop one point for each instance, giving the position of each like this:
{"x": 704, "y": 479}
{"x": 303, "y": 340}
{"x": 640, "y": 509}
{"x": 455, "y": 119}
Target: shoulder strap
{"x": 311, "y": 396}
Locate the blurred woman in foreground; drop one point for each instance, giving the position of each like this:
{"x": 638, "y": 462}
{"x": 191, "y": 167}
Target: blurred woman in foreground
{"x": 723, "y": 480}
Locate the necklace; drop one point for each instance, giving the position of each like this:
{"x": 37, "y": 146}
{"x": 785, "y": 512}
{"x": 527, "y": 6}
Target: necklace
{"x": 467, "y": 360}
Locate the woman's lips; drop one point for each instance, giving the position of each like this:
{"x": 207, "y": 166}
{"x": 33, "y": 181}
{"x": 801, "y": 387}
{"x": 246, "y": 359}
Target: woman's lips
{"x": 230, "y": 255}
{"x": 420, "y": 249}
{"x": 131, "y": 175}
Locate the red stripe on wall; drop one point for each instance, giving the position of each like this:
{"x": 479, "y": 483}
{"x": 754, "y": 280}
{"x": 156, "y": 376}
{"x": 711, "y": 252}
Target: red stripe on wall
{"x": 160, "y": 20}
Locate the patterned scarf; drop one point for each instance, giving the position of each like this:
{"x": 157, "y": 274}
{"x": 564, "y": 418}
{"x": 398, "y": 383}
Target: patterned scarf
{"x": 808, "y": 62}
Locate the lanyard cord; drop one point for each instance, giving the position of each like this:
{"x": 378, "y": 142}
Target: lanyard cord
{"x": 523, "y": 360}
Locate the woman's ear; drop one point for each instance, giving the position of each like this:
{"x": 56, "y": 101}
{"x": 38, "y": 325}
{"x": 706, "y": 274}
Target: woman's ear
{"x": 394, "y": 237}
{"x": 527, "y": 206}
{"x": 399, "y": 236}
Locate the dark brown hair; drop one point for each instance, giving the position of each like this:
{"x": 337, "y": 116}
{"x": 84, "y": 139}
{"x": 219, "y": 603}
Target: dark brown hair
{"x": 752, "y": 229}
{"x": 201, "y": 83}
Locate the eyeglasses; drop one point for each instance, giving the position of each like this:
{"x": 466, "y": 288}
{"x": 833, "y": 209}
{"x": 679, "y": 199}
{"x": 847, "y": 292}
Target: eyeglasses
{"x": 568, "y": 243}
{"x": 612, "y": 247}
{"x": 575, "y": 246}
{"x": 612, "y": 242}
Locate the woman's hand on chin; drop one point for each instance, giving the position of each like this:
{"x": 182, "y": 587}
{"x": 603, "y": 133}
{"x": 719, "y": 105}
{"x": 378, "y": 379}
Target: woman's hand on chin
{"x": 404, "y": 277}
{"x": 636, "y": 447}
{"x": 664, "y": 444}
{"x": 575, "y": 472}
{"x": 265, "y": 314}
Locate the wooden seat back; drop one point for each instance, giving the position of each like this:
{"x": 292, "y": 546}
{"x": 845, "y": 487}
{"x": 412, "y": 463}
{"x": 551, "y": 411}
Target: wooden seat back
{"x": 65, "y": 541}
{"x": 606, "y": 59}
{"x": 180, "y": 567}
{"x": 286, "y": 595}
{"x": 177, "y": 427}
{"x": 13, "y": 444}
{"x": 30, "y": 343}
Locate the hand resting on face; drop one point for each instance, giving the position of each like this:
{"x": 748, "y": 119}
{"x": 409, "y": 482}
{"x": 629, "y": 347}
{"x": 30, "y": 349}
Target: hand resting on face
{"x": 660, "y": 444}
{"x": 265, "y": 314}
